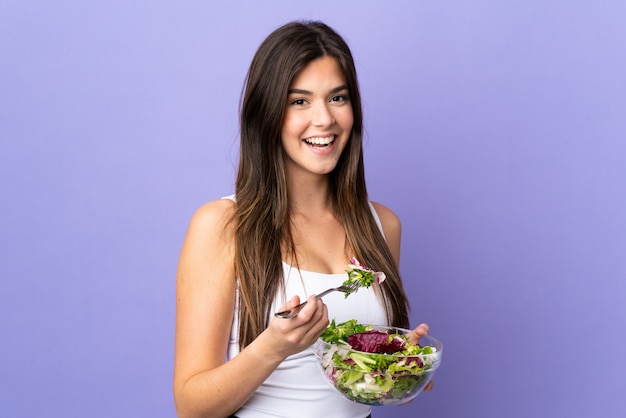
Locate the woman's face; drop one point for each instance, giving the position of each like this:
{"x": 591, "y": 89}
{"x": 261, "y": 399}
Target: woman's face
{"x": 318, "y": 118}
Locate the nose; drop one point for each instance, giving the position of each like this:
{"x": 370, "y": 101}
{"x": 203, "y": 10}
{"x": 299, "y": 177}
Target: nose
{"x": 322, "y": 115}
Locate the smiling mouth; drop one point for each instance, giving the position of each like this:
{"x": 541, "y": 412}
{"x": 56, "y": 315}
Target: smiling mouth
{"x": 320, "y": 142}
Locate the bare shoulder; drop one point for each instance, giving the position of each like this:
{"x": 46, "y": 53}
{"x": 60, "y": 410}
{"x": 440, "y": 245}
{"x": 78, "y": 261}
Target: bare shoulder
{"x": 209, "y": 243}
{"x": 213, "y": 216}
{"x": 390, "y": 221}
{"x": 392, "y": 228}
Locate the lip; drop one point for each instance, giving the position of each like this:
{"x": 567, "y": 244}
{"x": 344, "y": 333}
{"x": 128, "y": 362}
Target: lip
{"x": 328, "y": 139}
{"x": 319, "y": 150}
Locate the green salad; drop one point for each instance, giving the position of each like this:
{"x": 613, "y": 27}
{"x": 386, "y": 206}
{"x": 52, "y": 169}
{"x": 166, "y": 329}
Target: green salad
{"x": 361, "y": 276}
{"x": 375, "y": 365}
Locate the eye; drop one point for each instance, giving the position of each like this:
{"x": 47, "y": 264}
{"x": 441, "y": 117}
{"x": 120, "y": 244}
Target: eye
{"x": 298, "y": 102}
{"x": 340, "y": 98}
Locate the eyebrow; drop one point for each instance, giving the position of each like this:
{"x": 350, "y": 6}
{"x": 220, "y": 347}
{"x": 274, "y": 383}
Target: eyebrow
{"x": 309, "y": 93}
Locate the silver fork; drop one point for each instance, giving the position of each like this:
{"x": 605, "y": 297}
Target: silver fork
{"x": 290, "y": 313}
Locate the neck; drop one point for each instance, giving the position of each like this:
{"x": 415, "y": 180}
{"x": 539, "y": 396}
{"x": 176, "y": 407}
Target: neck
{"x": 310, "y": 194}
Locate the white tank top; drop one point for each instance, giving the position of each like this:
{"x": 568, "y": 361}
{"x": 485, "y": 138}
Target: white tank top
{"x": 297, "y": 387}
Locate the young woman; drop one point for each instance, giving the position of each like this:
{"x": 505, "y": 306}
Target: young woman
{"x": 300, "y": 212}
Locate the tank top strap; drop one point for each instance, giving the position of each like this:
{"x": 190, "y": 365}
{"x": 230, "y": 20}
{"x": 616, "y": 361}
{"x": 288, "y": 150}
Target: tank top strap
{"x": 377, "y": 219}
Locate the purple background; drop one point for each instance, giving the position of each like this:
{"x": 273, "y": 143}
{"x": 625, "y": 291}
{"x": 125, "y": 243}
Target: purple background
{"x": 496, "y": 130}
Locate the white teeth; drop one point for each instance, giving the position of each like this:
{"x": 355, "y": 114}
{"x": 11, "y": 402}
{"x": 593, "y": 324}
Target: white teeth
{"x": 320, "y": 141}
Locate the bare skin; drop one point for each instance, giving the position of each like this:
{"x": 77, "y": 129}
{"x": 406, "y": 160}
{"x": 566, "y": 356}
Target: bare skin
{"x": 205, "y": 384}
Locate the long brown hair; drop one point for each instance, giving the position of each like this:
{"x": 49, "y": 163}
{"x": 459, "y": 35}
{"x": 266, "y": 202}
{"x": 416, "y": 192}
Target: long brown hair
{"x": 262, "y": 216}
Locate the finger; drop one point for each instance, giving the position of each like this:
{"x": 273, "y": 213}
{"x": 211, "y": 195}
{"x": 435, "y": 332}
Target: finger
{"x": 429, "y": 386}
{"x": 416, "y": 335}
{"x": 306, "y": 316}
{"x": 291, "y": 303}
{"x": 318, "y": 321}
{"x": 322, "y": 320}
{"x": 422, "y": 329}
{"x": 292, "y": 308}
{"x": 309, "y": 309}
{"x": 314, "y": 309}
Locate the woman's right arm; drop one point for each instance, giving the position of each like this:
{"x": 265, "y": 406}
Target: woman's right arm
{"x": 205, "y": 385}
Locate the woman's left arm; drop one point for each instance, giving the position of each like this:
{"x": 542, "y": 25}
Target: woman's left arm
{"x": 393, "y": 234}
